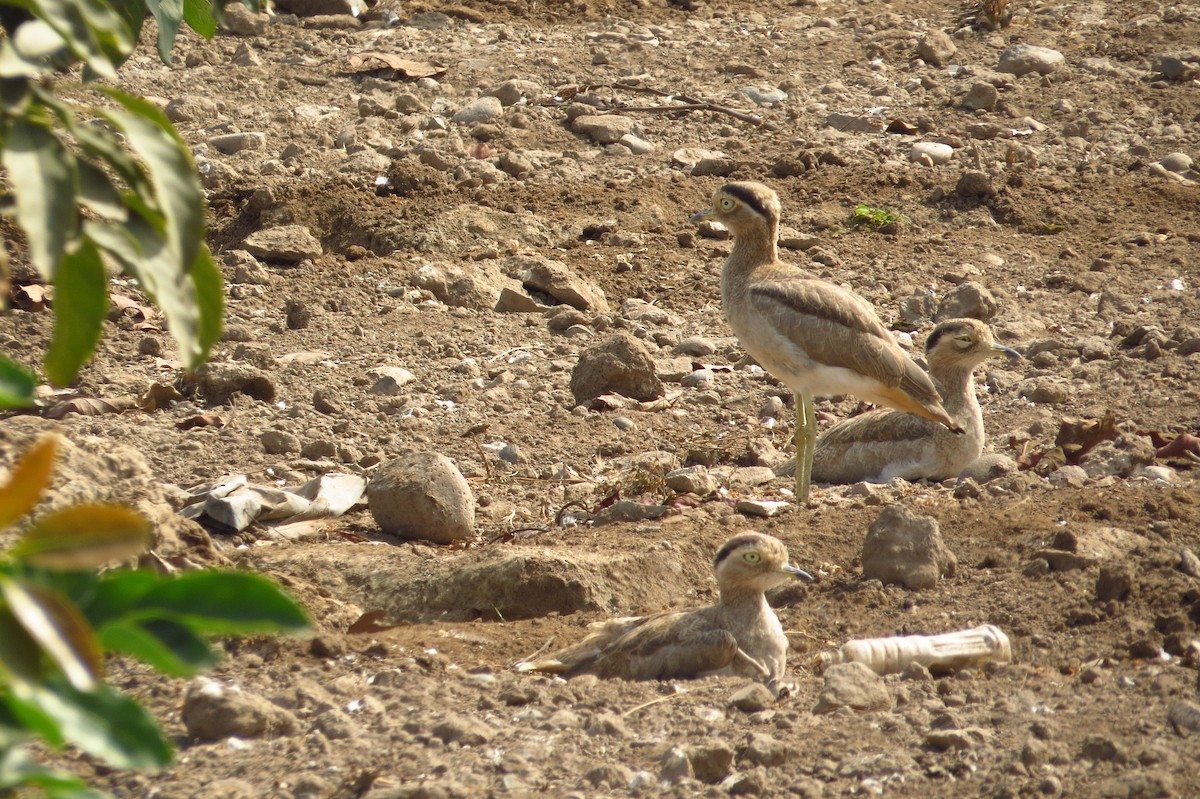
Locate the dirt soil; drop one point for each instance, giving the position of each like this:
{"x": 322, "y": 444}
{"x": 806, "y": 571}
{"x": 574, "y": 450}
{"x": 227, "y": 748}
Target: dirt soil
{"x": 1086, "y": 248}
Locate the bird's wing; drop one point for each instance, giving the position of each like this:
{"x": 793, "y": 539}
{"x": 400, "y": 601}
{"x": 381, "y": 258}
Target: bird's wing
{"x": 669, "y": 646}
{"x": 836, "y": 327}
{"x": 672, "y": 645}
{"x": 882, "y": 426}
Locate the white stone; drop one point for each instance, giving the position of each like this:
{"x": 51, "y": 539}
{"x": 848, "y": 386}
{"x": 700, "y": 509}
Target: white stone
{"x": 482, "y": 109}
{"x": 936, "y": 152}
{"x": 636, "y": 144}
{"x": 1021, "y": 59}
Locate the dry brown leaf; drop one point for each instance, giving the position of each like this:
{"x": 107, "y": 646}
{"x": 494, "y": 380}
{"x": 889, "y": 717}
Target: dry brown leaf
{"x": 201, "y": 420}
{"x": 34, "y": 297}
{"x": 1185, "y": 446}
{"x": 1077, "y": 438}
{"x": 129, "y": 307}
{"x": 91, "y": 406}
{"x": 407, "y": 67}
{"x": 158, "y": 396}
{"x": 373, "y": 621}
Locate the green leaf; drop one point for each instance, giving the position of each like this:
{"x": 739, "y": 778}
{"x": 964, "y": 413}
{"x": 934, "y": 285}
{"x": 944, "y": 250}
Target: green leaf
{"x": 27, "y": 481}
{"x": 114, "y": 594}
{"x": 42, "y": 172}
{"x": 58, "y": 627}
{"x": 19, "y": 702}
{"x": 98, "y": 194}
{"x": 95, "y": 33}
{"x": 198, "y": 14}
{"x": 167, "y": 274}
{"x": 80, "y": 307}
{"x": 169, "y": 646}
{"x": 16, "y": 385}
{"x": 103, "y": 722}
{"x": 18, "y": 769}
{"x": 85, "y": 536}
{"x": 169, "y": 15}
{"x": 225, "y": 603}
{"x": 20, "y": 655}
{"x": 210, "y": 299}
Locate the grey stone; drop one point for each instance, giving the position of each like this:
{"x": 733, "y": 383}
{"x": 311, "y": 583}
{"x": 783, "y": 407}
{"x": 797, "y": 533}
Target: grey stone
{"x": 626, "y": 510}
{"x": 1021, "y": 59}
{"x": 239, "y": 20}
{"x": 1176, "y": 162}
{"x": 511, "y": 92}
{"x": 479, "y": 110}
{"x": 560, "y": 282}
{"x": 902, "y": 547}
{"x": 618, "y": 364}
{"x": 230, "y": 143}
{"x": 1120, "y": 458}
{"x": 218, "y": 382}
{"x": 675, "y": 767}
{"x": 1070, "y": 476}
{"x": 931, "y": 151}
{"x": 477, "y": 285}
{"x": 970, "y": 300}
{"x": 987, "y": 467}
{"x": 764, "y": 750}
{"x": 982, "y": 96}
{"x": 287, "y": 243}
{"x": 763, "y": 95}
{"x": 691, "y": 480}
{"x": 699, "y": 379}
{"x": 964, "y": 739}
{"x": 637, "y": 145}
{"x": 974, "y": 184}
{"x": 937, "y": 48}
{"x": 422, "y": 495}
{"x": 463, "y": 730}
{"x": 279, "y": 442}
{"x": 711, "y": 761}
{"x": 514, "y": 301}
{"x": 752, "y": 698}
{"x": 213, "y": 711}
{"x": 390, "y": 380}
{"x": 696, "y": 347}
{"x": 852, "y": 685}
{"x": 605, "y": 128}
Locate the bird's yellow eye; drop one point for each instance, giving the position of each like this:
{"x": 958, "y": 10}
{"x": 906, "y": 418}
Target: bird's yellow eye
{"x": 752, "y": 557}
{"x": 965, "y": 341}
{"x": 726, "y": 204}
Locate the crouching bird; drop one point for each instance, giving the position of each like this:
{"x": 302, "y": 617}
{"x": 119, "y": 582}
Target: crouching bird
{"x": 818, "y": 338}
{"x": 739, "y": 635}
{"x": 881, "y": 444}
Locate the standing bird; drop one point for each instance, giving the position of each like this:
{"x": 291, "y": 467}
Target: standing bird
{"x": 818, "y": 338}
{"x": 881, "y": 444}
{"x": 739, "y": 635}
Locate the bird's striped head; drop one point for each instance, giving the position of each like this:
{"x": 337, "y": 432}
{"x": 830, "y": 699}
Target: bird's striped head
{"x": 743, "y": 206}
{"x": 963, "y": 342}
{"x": 753, "y": 562}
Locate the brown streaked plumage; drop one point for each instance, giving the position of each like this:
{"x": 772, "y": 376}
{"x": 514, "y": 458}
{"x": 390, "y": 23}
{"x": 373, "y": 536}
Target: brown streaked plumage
{"x": 881, "y": 444}
{"x": 738, "y": 635}
{"x": 817, "y": 337}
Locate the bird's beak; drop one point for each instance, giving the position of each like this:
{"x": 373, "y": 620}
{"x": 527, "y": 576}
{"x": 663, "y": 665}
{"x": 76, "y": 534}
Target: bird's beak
{"x": 1008, "y": 352}
{"x": 700, "y": 216}
{"x": 792, "y": 571}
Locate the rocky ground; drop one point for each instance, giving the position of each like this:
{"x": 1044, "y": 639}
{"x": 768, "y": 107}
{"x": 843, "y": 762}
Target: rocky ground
{"x": 380, "y": 186}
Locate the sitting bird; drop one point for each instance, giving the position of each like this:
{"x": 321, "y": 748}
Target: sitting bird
{"x": 881, "y": 444}
{"x": 739, "y": 635}
{"x": 818, "y": 338}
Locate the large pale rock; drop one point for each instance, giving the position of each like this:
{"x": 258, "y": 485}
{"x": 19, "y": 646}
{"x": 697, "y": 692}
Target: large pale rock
{"x": 559, "y": 281}
{"x": 971, "y": 300}
{"x": 619, "y": 364}
{"x": 286, "y": 243}
{"x": 1021, "y": 59}
{"x": 937, "y": 48}
{"x": 902, "y": 547}
{"x": 478, "y": 285}
{"x": 422, "y": 495}
{"x": 481, "y": 109}
{"x": 213, "y": 710}
{"x": 855, "y": 686}
{"x": 605, "y": 128}
{"x": 511, "y": 92}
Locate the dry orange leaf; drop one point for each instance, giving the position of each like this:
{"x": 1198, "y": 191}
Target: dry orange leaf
{"x": 407, "y": 67}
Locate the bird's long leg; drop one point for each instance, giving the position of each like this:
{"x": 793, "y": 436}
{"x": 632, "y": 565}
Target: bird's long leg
{"x": 810, "y": 439}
